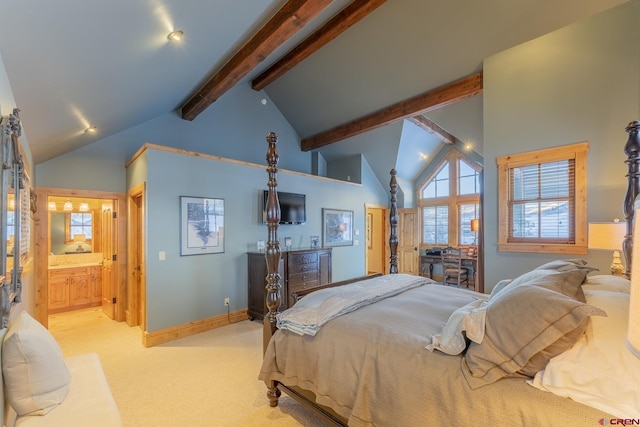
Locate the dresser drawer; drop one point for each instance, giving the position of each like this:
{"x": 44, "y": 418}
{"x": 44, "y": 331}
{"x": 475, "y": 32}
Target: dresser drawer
{"x": 306, "y": 285}
{"x": 303, "y": 258}
{"x": 303, "y": 268}
{"x": 299, "y": 279}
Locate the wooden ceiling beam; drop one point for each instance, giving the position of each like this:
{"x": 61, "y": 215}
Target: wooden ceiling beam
{"x": 347, "y": 17}
{"x": 294, "y": 15}
{"x": 431, "y": 100}
{"x": 432, "y": 127}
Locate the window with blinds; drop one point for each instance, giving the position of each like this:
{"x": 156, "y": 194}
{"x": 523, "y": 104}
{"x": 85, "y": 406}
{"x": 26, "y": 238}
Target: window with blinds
{"x": 543, "y": 200}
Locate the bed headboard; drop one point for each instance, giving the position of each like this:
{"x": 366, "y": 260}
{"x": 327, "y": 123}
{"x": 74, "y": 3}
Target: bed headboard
{"x": 632, "y": 150}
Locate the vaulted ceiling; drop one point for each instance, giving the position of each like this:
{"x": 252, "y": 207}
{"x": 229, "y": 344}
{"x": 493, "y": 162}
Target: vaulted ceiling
{"x": 79, "y": 63}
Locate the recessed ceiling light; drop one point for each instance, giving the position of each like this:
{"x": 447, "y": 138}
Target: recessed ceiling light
{"x": 175, "y": 36}
{"x": 90, "y": 129}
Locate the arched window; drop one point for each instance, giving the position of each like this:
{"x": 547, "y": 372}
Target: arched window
{"x": 449, "y": 199}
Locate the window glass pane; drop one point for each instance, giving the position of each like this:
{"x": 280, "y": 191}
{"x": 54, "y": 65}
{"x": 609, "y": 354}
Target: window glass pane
{"x": 439, "y": 185}
{"x": 468, "y": 182}
{"x": 442, "y": 181}
{"x": 555, "y": 179}
{"x": 429, "y": 225}
{"x": 525, "y": 183}
{"x": 429, "y": 191}
{"x": 81, "y": 223}
{"x": 442, "y": 225}
{"x": 467, "y": 213}
{"x": 435, "y": 220}
{"x": 520, "y": 226}
{"x": 554, "y": 220}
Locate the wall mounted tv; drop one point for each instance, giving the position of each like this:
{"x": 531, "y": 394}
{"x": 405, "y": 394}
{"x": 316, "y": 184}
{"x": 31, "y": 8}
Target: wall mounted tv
{"x": 293, "y": 209}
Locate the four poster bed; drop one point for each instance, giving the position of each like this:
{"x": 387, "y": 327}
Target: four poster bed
{"x": 401, "y": 357}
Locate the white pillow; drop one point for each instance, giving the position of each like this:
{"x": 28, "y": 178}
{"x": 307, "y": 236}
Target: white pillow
{"x": 607, "y": 282}
{"x": 599, "y": 370}
{"x": 468, "y": 319}
{"x": 36, "y": 378}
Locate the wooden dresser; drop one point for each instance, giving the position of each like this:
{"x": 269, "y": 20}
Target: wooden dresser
{"x": 299, "y": 269}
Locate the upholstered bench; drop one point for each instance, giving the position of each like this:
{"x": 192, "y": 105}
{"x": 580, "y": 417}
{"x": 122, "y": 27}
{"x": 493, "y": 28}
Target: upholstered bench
{"x": 44, "y": 389}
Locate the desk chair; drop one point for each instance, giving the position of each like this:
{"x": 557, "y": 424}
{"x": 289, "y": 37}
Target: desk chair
{"x": 452, "y": 270}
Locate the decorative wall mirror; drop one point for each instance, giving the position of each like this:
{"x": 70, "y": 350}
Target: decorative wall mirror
{"x": 14, "y": 238}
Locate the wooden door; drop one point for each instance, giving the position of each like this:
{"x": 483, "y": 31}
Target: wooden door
{"x": 375, "y": 240}
{"x": 107, "y": 249}
{"x": 408, "y": 236}
{"x": 136, "y": 314}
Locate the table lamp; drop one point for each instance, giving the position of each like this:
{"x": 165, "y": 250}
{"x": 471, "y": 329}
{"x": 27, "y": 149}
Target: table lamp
{"x": 609, "y": 236}
{"x": 475, "y": 226}
{"x": 80, "y": 240}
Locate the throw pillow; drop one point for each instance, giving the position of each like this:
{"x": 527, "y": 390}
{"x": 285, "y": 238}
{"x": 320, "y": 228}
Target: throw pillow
{"x": 522, "y": 322}
{"x": 35, "y": 376}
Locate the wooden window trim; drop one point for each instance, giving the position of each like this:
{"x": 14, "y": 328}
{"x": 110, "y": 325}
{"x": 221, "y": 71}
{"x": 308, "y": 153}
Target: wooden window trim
{"x": 578, "y": 152}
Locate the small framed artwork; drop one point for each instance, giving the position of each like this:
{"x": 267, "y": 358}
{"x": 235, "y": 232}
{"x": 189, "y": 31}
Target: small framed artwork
{"x": 314, "y": 242}
{"x": 261, "y": 245}
{"x": 287, "y": 242}
{"x": 337, "y": 227}
{"x": 471, "y": 251}
{"x": 202, "y": 225}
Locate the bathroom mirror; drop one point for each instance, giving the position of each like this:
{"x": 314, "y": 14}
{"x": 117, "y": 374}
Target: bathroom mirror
{"x": 70, "y": 233}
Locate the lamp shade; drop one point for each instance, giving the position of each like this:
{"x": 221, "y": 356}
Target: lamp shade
{"x": 68, "y": 206}
{"x": 52, "y": 206}
{"x": 475, "y": 224}
{"x": 79, "y": 238}
{"x": 606, "y": 235}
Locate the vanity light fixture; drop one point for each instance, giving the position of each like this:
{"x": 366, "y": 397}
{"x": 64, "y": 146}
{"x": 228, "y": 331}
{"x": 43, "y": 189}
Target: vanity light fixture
{"x": 84, "y": 207}
{"x": 68, "y": 206}
{"x": 91, "y": 129}
{"x": 52, "y": 206}
{"x": 175, "y": 36}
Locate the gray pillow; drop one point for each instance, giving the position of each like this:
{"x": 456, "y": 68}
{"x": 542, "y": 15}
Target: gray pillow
{"x": 530, "y": 322}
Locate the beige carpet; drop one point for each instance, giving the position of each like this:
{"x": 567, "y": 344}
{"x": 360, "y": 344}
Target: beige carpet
{"x": 209, "y": 379}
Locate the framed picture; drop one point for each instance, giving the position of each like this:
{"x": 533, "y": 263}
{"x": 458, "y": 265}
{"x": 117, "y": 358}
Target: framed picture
{"x": 314, "y": 242}
{"x": 202, "y": 225}
{"x": 337, "y": 227}
{"x": 287, "y": 242}
{"x": 472, "y": 251}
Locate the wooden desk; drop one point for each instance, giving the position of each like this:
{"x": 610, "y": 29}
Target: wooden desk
{"x": 469, "y": 262}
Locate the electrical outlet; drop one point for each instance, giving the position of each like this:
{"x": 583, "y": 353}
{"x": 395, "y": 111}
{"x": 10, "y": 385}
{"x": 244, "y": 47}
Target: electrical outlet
{"x": 226, "y": 301}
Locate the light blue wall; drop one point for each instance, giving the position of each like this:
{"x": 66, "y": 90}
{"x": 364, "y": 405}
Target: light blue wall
{"x": 580, "y": 83}
{"x": 187, "y": 288}
{"x": 183, "y": 289}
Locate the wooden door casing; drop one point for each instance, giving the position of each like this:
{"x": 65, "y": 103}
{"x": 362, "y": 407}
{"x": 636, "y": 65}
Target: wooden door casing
{"x": 408, "y": 254}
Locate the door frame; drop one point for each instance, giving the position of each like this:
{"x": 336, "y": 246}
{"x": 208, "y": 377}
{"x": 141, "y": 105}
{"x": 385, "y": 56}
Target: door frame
{"x": 42, "y": 246}
{"x": 137, "y": 308}
{"x": 384, "y": 234}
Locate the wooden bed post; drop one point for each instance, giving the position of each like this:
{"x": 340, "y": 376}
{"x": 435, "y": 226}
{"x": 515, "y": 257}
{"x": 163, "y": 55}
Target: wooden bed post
{"x": 272, "y": 256}
{"x": 393, "y": 222}
{"x": 632, "y": 150}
